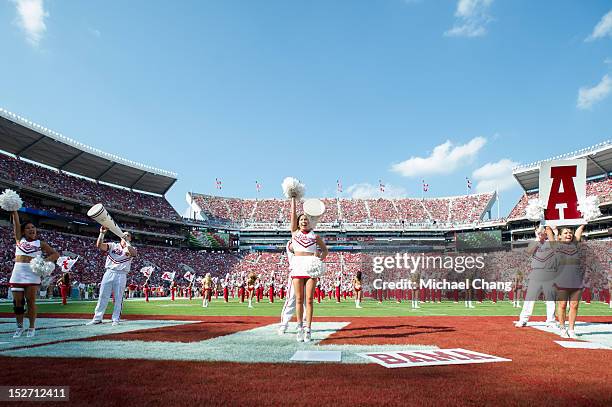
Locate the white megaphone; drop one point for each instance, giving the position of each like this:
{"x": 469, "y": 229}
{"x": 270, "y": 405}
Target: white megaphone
{"x": 314, "y": 209}
{"x": 99, "y": 214}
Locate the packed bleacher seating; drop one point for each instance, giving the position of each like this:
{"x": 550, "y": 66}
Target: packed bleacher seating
{"x": 454, "y": 210}
{"x": 30, "y": 175}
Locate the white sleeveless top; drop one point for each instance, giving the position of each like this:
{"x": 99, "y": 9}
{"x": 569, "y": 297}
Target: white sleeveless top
{"x": 304, "y": 242}
{"x": 30, "y": 249}
{"x": 118, "y": 258}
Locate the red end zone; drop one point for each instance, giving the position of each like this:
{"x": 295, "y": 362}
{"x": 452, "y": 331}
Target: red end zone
{"x": 541, "y": 372}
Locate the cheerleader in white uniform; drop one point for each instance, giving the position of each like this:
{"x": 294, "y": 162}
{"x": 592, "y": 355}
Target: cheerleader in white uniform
{"x": 118, "y": 263}
{"x": 24, "y": 282}
{"x": 570, "y": 275}
{"x": 307, "y": 265}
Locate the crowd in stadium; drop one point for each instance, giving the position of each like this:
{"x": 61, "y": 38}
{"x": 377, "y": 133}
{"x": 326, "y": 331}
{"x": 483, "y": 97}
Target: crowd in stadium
{"x": 272, "y": 267}
{"x": 83, "y": 190}
{"x": 454, "y": 210}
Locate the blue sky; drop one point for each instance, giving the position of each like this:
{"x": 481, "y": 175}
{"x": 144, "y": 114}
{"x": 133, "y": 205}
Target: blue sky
{"x": 356, "y": 90}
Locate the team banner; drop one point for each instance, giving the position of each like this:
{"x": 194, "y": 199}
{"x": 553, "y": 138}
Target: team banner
{"x": 168, "y": 276}
{"x": 434, "y": 357}
{"x": 66, "y": 263}
{"x": 188, "y": 276}
{"x": 562, "y": 185}
{"x": 147, "y": 271}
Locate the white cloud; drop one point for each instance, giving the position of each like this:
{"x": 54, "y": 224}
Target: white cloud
{"x": 603, "y": 28}
{"x": 31, "y": 16}
{"x": 495, "y": 176}
{"x": 471, "y": 19}
{"x": 608, "y": 61}
{"x": 368, "y": 191}
{"x": 445, "y": 159}
{"x": 587, "y": 97}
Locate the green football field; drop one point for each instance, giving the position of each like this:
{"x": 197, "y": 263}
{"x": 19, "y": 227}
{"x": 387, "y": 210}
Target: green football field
{"x": 326, "y": 308}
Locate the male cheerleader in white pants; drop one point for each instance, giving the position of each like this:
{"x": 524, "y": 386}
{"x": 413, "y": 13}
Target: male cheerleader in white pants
{"x": 289, "y": 306}
{"x": 541, "y": 278}
{"x": 118, "y": 262}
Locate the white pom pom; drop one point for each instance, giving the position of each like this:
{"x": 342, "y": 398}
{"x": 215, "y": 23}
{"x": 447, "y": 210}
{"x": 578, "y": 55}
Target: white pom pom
{"x": 10, "y": 200}
{"x": 535, "y": 210}
{"x": 293, "y": 188}
{"x": 41, "y": 267}
{"x": 589, "y": 206}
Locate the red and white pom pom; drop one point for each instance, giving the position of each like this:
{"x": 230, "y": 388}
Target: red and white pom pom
{"x": 589, "y": 207}
{"x": 293, "y": 188}
{"x": 10, "y": 200}
{"x": 535, "y": 210}
{"x": 41, "y": 267}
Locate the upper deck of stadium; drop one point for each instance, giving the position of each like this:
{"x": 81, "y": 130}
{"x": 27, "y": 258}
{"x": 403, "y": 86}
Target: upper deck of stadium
{"x": 43, "y": 161}
{"x": 599, "y": 182}
{"x": 397, "y": 213}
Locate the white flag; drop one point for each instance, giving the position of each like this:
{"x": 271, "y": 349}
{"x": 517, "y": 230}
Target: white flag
{"x": 66, "y": 263}
{"x": 147, "y": 270}
{"x": 188, "y": 276}
{"x": 168, "y": 276}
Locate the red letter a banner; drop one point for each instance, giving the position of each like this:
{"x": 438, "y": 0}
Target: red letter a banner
{"x": 562, "y": 182}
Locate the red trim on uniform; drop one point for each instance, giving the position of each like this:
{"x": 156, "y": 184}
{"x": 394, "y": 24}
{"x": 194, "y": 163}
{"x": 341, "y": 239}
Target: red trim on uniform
{"x": 301, "y": 277}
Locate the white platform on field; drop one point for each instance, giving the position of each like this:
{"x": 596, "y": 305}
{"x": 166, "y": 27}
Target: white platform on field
{"x": 317, "y": 356}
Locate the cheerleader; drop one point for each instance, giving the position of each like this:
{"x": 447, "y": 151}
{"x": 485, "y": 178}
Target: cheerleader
{"x": 251, "y": 284}
{"x": 307, "y": 265}
{"x": 570, "y": 275}
{"x": 207, "y": 285}
{"x": 357, "y": 289}
{"x": 24, "y": 281}
{"x": 64, "y": 286}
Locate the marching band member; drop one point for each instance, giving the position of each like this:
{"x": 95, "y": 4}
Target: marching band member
{"x": 64, "y": 286}
{"x": 146, "y": 288}
{"x": 224, "y": 285}
{"x": 517, "y": 290}
{"x": 24, "y": 281}
{"x": 172, "y": 290}
{"x": 118, "y": 262}
{"x": 307, "y": 265}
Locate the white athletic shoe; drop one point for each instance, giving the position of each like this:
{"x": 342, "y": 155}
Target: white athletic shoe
{"x": 358, "y": 306}
{"x": 551, "y": 325}
{"x": 115, "y": 323}
{"x": 94, "y": 322}
{"x": 300, "y": 334}
{"x": 563, "y": 333}
{"x": 306, "y": 334}
{"x": 282, "y": 329}
{"x": 31, "y": 332}
{"x": 520, "y": 324}
{"x": 18, "y": 332}
{"x": 572, "y": 334}
{"x": 471, "y": 306}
